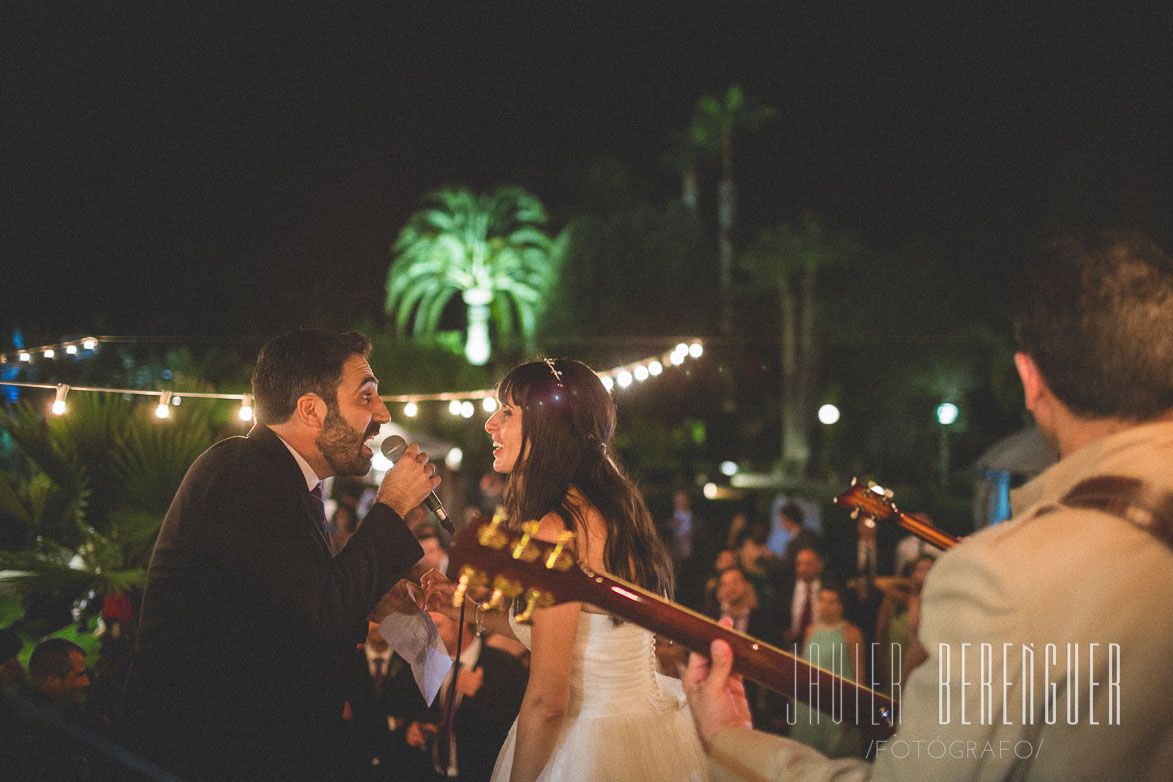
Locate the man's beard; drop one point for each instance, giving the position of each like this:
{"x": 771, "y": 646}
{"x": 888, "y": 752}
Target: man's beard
{"x": 341, "y": 445}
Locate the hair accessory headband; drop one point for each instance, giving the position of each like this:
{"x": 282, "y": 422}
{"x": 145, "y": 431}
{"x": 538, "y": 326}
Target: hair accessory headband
{"x": 557, "y": 374}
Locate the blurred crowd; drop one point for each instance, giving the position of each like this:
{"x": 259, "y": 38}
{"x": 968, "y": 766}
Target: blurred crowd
{"x": 774, "y": 576}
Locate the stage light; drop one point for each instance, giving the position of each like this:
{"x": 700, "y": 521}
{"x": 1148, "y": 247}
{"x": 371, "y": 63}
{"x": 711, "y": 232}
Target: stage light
{"x": 608, "y": 383}
{"x": 454, "y": 407}
{"x": 246, "y": 409}
{"x": 89, "y": 344}
{"x": 655, "y": 368}
{"x": 947, "y": 413}
{"x": 49, "y": 353}
{"x": 467, "y": 409}
{"x": 25, "y": 356}
{"x": 729, "y": 468}
{"x": 828, "y": 414}
{"x": 489, "y": 404}
{"x": 411, "y": 409}
{"x": 641, "y": 373}
{"x": 164, "y": 408}
{"x": 623, "y": 378}
{"x": 696, "y": 349}
{"x": 71, "y": 350}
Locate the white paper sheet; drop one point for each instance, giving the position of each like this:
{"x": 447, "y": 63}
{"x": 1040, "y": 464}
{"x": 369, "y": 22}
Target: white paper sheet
{"x": 415, "y": 638}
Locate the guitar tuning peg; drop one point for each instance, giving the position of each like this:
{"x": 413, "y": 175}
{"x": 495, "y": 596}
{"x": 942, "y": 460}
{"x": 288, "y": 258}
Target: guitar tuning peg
{"x": 461, "y": 589}
{"x": 503, "y": 589}
{"x": 491, "y": 535}
{"x": 871, "y": 484}
{"x": 535, "y": 599}
{"x": 557, "y": 558}
{"x": 855, "y": 512}
{"x": 522, "y": 549}
{"x": 469, "y": 577}
{"x": 889, "y": 494}
{"x": 854, "y": 481}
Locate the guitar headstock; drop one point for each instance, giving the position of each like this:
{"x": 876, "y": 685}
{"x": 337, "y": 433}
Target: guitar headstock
{"x": 870, "y": 499}
{"x": 512, "y": 564}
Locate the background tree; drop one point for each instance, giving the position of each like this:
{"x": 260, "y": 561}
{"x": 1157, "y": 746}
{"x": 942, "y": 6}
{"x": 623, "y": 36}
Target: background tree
{"x": 490, "y": 249}
{"x": 82, "y": 498}
{"x": 787, "y": 259}
{"x": 712, "y": 127}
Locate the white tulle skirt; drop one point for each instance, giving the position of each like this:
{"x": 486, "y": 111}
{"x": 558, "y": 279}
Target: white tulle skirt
{"x": 626, "y": 721}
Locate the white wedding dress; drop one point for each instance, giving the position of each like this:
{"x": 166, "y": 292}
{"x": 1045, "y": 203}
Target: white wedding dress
{"x": 625, "y": 722}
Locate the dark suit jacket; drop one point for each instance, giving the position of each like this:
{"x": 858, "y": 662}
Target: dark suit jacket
{"x": 483, "y": 721}
{"x": 247, "y": 621}
{"x": 370, "y": 733}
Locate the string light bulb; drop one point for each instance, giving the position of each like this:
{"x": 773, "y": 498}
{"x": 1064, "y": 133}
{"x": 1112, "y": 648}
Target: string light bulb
{"x": 59, "y": 402}
{"x": 24, "y": 356}
{"x": 89, "y": 344}
{"x": 49, "y": 353}
{"x": 411, "y": 409}
{"x": 164, "y": 408}
{"x": 71, "y": 350}
{"x": 246, "y": 409}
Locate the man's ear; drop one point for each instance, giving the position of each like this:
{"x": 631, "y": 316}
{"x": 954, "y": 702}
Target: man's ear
{"x": 1033, "y": 385}
{"x": 310, "y": 410}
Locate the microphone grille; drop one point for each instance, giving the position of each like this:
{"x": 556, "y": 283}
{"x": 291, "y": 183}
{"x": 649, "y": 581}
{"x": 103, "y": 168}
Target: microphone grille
{"x": 393, "y": 447}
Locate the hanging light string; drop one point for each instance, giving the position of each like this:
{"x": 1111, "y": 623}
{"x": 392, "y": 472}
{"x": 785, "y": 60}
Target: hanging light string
{"x": 460, "y": 403}
{"x": 74, "y": 347}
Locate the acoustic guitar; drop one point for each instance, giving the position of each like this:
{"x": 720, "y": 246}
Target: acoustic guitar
{"x": 514, "y": 565}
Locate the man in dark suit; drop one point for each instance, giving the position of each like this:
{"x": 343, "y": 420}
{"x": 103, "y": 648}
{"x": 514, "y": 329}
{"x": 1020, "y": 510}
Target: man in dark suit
{"x": 248, "y": 620}
{"x": 381, "y": 701}
{"x": 489, "y": 686}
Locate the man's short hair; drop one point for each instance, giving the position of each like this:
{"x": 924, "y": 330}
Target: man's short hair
{"x": 1095, "y": 313}
{"x": 51, "y": 658}
{"x": 298, "y": 363}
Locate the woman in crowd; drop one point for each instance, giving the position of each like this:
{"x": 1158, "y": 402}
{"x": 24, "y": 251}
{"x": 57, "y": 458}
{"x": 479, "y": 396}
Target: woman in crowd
{"x": 837, "y": 646}
{"x": 595, "y": 707}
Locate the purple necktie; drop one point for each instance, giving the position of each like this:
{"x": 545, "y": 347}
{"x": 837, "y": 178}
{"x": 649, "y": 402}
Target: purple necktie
{"x": 319, "y": 510}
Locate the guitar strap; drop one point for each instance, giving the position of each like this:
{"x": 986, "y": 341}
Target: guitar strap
{"x": 1131, "y": 499}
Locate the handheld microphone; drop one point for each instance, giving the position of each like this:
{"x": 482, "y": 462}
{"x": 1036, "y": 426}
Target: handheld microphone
{"x": 393, "y": 448}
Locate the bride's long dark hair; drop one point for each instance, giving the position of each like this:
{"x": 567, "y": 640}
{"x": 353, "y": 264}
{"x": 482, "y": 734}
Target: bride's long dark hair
{"x": 568, "y": 419}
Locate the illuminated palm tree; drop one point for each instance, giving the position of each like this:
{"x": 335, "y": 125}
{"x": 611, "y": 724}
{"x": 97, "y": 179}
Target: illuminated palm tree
{"x": 489, "y": 249}
{"x": 712, "y": 127}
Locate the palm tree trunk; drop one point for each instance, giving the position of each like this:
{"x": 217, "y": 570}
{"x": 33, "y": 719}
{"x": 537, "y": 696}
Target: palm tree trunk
{"x": 792, "y": 439}
{"x": 689, "y": 189}
{"x": 725, "y": 212}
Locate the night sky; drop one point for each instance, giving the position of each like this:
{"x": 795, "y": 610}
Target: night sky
{"x": 221, "y": 172}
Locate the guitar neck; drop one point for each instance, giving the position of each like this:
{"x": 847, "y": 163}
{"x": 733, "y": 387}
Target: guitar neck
{"x": 872, "y": 712}
{"x": 926, "y": 532}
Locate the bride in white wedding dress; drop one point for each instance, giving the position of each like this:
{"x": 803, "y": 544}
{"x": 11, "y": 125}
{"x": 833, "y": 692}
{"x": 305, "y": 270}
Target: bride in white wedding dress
{"x": 595, "y": 707}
